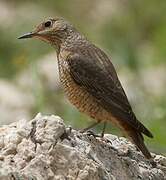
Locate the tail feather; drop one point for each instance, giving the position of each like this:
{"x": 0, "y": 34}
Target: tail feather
{"x": 138, "y": 140}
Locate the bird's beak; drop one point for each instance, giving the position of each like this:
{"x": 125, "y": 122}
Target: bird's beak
{"x": 27, "y": 35}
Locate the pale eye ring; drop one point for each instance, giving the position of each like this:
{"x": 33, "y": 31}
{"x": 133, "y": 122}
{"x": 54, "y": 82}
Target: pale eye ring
{"x": 48, "y": 23}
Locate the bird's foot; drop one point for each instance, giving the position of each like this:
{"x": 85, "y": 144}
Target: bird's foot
{"x": 92, "y": 133}
{"x": 89, "y": 127}
{"x": 89, "y": 133}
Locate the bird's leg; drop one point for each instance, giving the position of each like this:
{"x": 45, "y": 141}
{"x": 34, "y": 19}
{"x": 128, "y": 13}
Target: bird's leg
{"x": 89, "y": 127}
{"x": 104, "y": 127}
{"x": 102, "y": 133}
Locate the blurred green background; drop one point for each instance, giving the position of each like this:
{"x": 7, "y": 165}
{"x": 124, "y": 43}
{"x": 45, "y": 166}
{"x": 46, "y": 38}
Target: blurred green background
{"x": 133, "y": 33}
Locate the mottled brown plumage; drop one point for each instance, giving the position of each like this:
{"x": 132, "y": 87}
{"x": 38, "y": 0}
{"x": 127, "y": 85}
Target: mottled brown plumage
{"x": 90, "y": 80}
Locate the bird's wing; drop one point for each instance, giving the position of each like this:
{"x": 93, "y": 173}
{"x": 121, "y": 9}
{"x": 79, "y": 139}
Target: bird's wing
{"x": 96, "y": 74}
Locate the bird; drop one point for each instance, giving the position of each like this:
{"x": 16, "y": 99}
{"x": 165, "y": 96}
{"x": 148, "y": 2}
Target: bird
{"x": 90, "y": 80}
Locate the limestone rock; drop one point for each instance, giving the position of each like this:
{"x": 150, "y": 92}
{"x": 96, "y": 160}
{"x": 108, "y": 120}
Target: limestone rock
{"x": 45, "y": 149}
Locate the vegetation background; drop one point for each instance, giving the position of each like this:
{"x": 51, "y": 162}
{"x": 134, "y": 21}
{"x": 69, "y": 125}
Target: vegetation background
{"x": 132, "y": 32}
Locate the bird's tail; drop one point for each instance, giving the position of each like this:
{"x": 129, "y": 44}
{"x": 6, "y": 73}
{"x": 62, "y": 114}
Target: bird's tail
{"x": 138, "y": 140}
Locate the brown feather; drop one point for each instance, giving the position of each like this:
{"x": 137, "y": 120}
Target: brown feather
{"x": 100, "y": 80}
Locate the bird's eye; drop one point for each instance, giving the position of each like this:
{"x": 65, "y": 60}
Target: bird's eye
{"x": 47, "y": 24}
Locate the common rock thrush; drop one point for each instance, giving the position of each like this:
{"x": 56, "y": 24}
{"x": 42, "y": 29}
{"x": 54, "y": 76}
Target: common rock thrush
{"x": 90, "y": 80}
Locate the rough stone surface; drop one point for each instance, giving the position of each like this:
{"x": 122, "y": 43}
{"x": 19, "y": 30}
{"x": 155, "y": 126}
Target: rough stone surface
{"x": 45, "y": 149}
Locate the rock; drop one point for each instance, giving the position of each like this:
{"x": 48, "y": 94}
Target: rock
{"x": 44, "y": 148}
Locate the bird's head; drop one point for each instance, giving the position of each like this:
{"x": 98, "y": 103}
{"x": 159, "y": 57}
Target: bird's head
{"x": 53, "y": 30}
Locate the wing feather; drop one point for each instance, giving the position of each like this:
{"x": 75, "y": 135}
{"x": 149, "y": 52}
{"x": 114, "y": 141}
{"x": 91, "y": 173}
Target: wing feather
{"x": 98, "y": 76}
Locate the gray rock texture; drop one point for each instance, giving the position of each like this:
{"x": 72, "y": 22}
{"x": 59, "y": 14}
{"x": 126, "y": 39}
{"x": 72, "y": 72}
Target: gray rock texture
{"x": 45, "y": 149}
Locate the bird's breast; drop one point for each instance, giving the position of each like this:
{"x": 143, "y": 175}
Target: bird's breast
{"x": 78, "y": 96}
